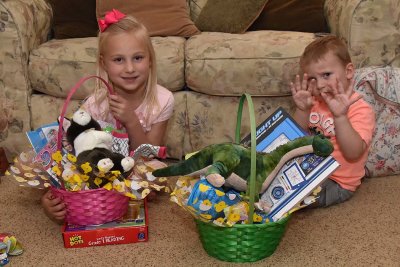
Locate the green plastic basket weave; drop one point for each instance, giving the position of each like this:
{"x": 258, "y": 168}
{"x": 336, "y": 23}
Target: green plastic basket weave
{"x": 243, "y": 242}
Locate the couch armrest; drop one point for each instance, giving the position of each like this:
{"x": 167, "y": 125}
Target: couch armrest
{"x": 369, "y": 27}
{"x": 24, "y": 24}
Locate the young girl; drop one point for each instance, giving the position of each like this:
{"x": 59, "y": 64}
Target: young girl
{"x": 126, "y": 59}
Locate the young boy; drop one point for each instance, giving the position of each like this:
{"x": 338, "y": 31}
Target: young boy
{"x": 326, "y": 102}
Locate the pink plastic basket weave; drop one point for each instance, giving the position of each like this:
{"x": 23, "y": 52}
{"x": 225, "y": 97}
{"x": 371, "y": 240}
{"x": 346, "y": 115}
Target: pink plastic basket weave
{"x": 95, "y": 206}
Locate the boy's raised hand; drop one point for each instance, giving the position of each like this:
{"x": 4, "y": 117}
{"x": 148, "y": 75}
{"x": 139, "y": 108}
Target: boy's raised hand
{"x": 302, "y": 92}
{"x": 339, "y": 99}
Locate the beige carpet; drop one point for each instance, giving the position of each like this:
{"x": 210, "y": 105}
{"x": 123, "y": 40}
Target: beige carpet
{"x": 364, "y": 231}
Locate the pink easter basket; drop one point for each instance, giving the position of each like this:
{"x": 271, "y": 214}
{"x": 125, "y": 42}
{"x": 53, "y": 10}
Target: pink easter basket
{"x": 95, "y": 206}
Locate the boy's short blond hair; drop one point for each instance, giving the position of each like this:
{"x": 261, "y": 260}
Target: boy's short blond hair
{"x": 318, "y": 48}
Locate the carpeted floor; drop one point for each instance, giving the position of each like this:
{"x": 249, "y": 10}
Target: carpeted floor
{"x": 364, "y": 231}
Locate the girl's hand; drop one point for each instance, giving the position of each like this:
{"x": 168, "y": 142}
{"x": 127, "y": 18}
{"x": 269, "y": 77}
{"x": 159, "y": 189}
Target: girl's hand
{"x": 339, "y": 99}
{"x": 302, "y": 92}
{"x": 121, "y": 109}
{"x": 54, "y": 207}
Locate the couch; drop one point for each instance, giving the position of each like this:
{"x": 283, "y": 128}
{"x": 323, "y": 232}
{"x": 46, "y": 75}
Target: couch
{"x": 207, "y": 72}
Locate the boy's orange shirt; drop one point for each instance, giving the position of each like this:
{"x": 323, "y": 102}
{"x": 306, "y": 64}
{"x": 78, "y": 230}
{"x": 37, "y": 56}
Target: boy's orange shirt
{"x": 362, "y": 118}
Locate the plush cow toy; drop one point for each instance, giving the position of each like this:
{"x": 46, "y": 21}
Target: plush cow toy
{"x": 93, "y": 145}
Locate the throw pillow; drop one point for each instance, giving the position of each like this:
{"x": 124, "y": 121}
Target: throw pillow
{"x": 74, "y": 18}
{"x": 233, "y": 16}
{"x": 161, "y": 17}
{"x": 292, "y": 15}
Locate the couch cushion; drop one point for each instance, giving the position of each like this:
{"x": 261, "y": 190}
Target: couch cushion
{"x": 292, "y": 15}
{"x": 233, "y": 16}
{"x": 68, "y": 23}
{"x": 260, "y": 63}
{"x": 177, "y": 127}
{"x": 212, "y": 119}
{"x": 46, "y": 109}
{"x": 55, "y": 66}
{"x": 161, "y": 18}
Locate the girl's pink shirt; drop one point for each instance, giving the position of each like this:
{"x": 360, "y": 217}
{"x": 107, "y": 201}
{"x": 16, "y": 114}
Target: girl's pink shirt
{"x": 165, "y": 100}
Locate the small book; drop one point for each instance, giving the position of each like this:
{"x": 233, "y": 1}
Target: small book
{"x": 43, "y": 135}
{"x": 300, "y": 176}
{"x": 44, "y": 144}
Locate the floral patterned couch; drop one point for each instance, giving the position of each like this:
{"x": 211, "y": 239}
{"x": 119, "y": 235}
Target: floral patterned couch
{"x": 207, "y": 72}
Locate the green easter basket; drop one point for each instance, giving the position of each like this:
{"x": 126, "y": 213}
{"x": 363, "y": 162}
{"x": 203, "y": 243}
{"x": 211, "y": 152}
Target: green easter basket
{"x": 243, "y": 242}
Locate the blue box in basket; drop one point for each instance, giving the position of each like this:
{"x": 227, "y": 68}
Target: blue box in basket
{"x": 132, "y": 228}
{"x": 299, "y": 176}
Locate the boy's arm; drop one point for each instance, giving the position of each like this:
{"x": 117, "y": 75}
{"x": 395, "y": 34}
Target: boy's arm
{"x": 350, "y": 142}
{"x": 301, "y": 117}
{"x": 339, "y": 101}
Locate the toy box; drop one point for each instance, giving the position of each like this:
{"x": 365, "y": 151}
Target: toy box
{"x": 132, "y": 228}
{"x": 299, "y": 176}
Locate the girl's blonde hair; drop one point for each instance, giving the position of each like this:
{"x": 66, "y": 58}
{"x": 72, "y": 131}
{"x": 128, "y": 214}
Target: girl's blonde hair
{"x": 128, "y": 25}
{"x": 323, "y": 45}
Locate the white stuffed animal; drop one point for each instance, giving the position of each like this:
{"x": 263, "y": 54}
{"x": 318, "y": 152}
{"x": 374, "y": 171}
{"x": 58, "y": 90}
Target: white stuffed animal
{"x": 93, "y": 145}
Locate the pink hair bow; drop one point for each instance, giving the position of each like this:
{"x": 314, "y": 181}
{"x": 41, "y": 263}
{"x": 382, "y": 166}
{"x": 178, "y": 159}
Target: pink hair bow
{"x": 111, "y": 17}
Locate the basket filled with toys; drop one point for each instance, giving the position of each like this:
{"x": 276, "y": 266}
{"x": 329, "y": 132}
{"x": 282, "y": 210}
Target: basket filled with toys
{"x": 221, "y": 184}
{"x": 87, "y": 165}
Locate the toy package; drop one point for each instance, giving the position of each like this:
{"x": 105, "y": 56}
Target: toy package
{"x": 131, "y": 228}
{"x": 9, "y": 246}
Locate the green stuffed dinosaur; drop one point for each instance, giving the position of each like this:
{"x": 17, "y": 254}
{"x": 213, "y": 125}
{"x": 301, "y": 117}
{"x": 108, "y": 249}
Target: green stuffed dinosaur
{"x": 229, "y": 164}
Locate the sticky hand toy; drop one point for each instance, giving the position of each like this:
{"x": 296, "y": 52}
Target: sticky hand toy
{"x": 8, "y": 246}
{"x": 14, "y": 247}
{"x": 3, "y": 254}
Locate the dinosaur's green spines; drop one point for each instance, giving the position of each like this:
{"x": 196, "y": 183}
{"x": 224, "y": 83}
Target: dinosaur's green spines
{"x": 281, "y": 150}
{"x": 271, "y": 159}
{"x": 321, "y": 146}
{"x": 184, "y": 167}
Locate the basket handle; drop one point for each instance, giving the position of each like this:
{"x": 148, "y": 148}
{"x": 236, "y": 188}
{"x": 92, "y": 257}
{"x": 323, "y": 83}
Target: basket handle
{"x": 251, "y": 187}
{"x": 71, "y": 92}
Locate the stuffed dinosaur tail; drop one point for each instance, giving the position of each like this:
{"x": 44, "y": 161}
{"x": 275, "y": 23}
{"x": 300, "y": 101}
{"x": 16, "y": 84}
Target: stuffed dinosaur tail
{"x": 216, "y": 156}
{"x": 181, "y": 168}
{"x": 321, "y": 146}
